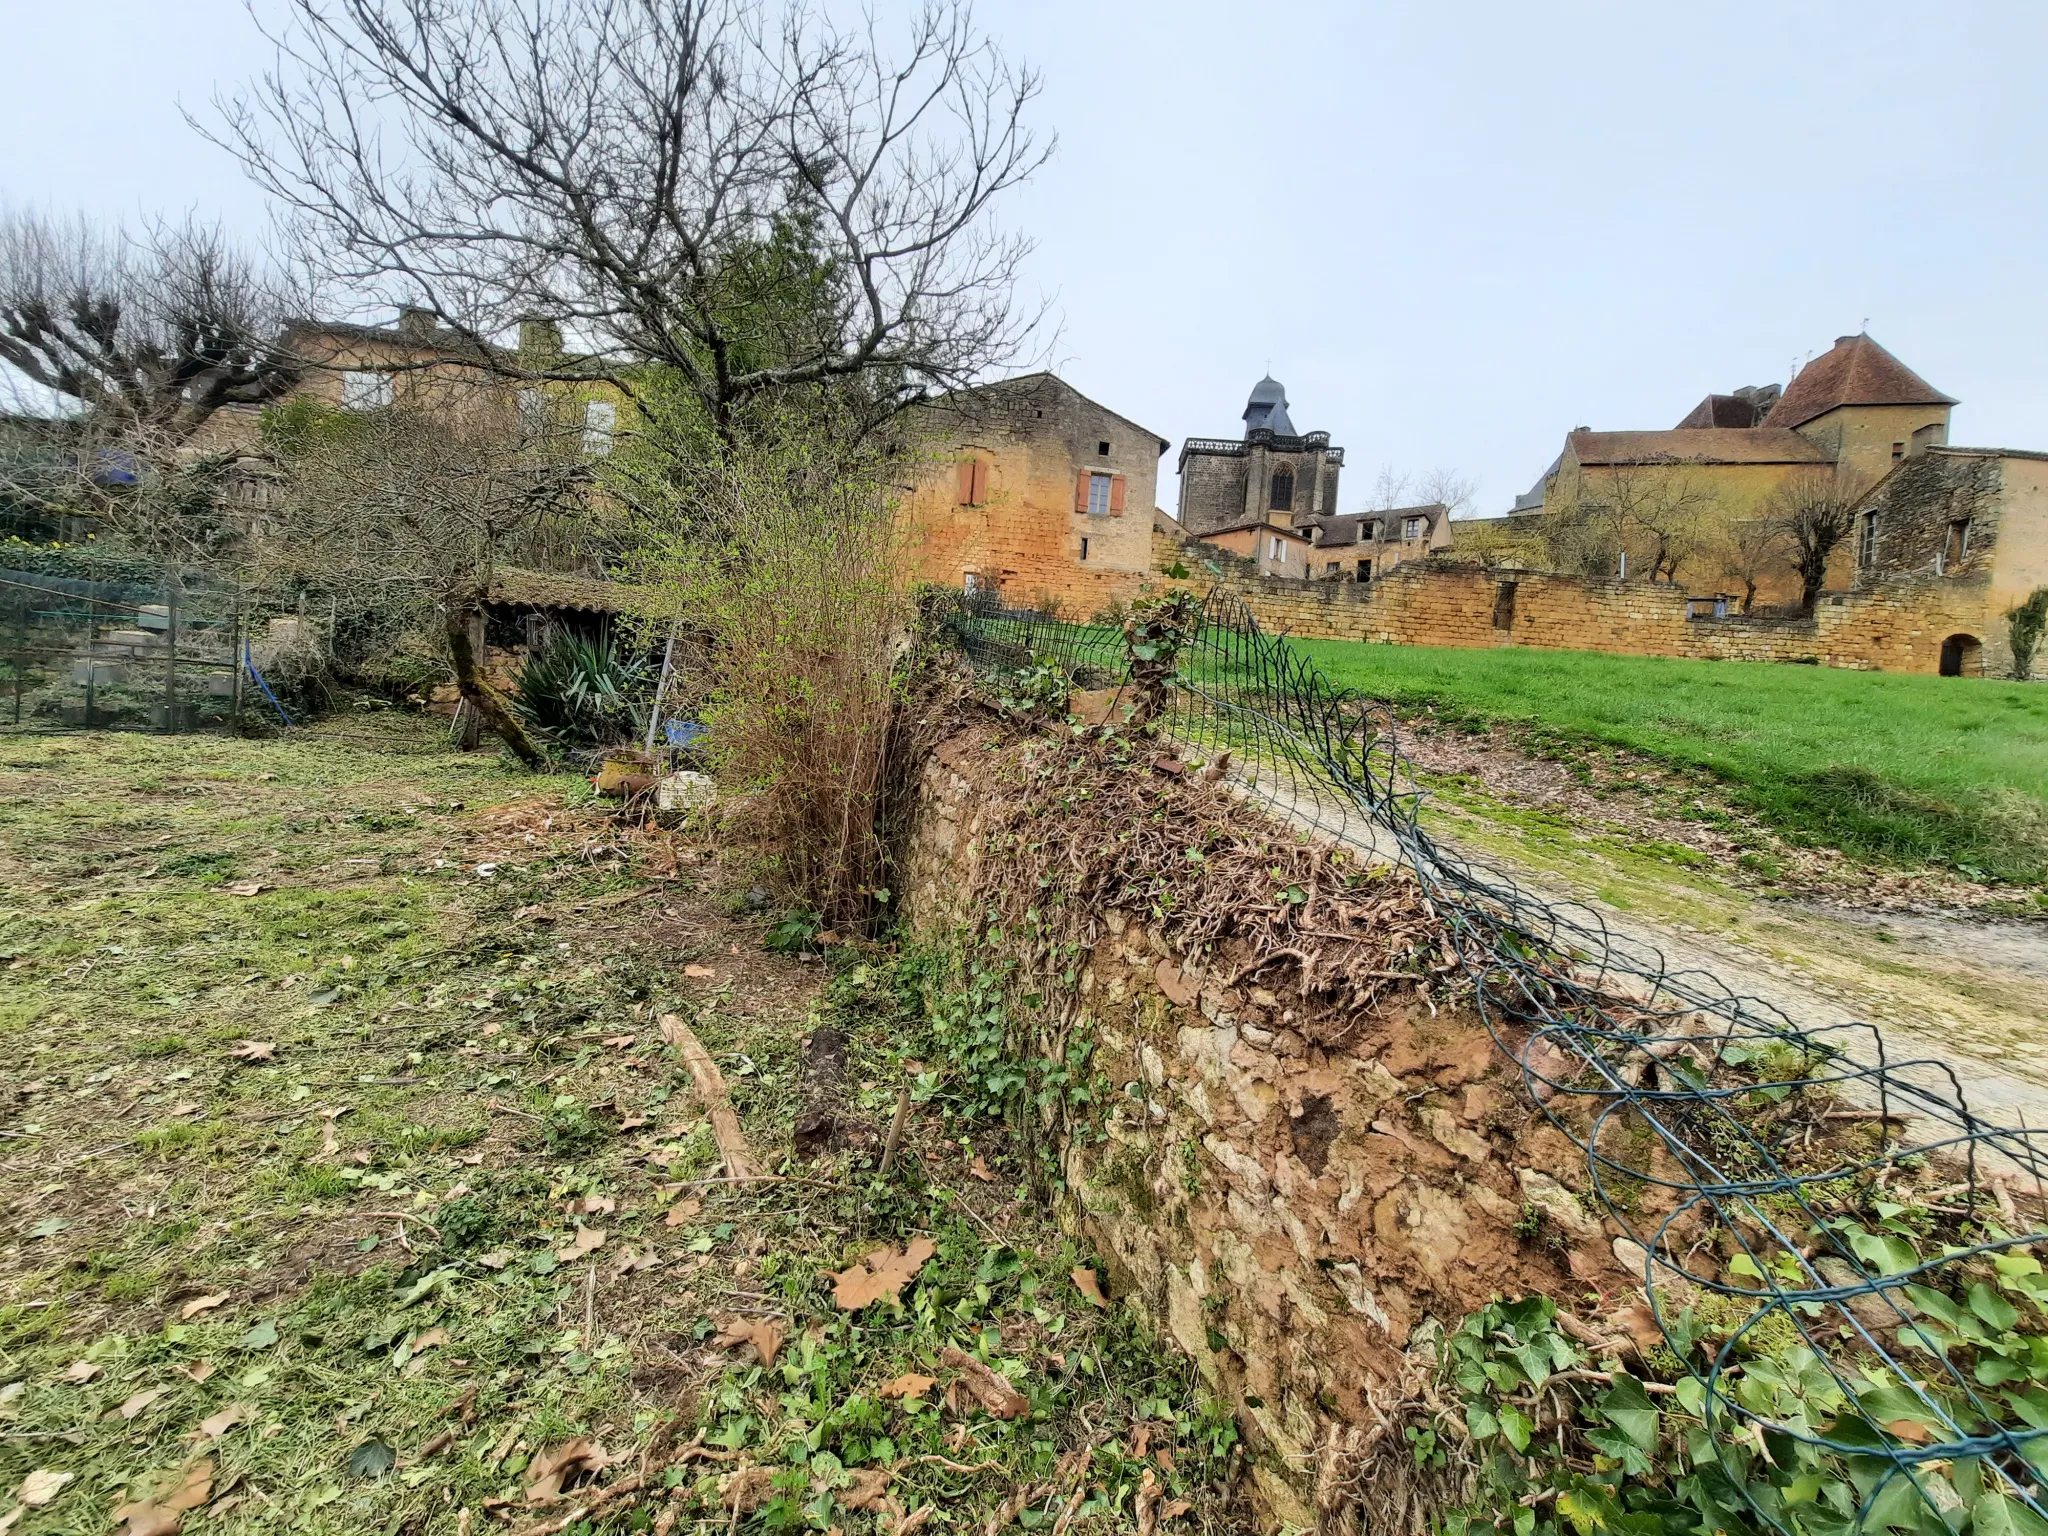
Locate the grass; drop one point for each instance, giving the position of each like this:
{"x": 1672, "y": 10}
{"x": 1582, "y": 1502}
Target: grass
{"x": 352, "y": 1246}
{"x": 1901, "y": 770}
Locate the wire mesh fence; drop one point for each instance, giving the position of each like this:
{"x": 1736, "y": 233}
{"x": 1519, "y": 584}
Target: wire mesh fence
{"x": 1885, "y": 1257}
{"x": 169, "y": 655}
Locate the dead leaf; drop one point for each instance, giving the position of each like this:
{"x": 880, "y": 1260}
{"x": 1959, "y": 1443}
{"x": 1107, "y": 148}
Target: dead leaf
{"x": 225, "y": 1420}
{"x": 140, "y": 1401}
{"x": 556, "y": 1467}
{"x": 1175, "y": 1510}
{"x": 1146, "y": 1505}
{"x": 474, "y": 1160}
{"x": 632, "y": 1122}
{"x": 199, "y": 1370}
{"x": 764, "y": 1333}
{"x": 882, "y": 1273}
{"x": 619, "y": 1042}
{"x": 593, "y": 1205}
{"x": 199, "y": 1304}
{"x": 910, "y": 1384}
{"x": 992, "y": 1391}
{"x": 1908, "y": 1430}
{"x": 255, "y": 1050}
{"x": 699, "y": 972}
{"x": 41, "y": 1486}
{"x": 496, "y": 1259}
{"x": 746, "y": 1490}
{"x": 629, "y": 1262}
{"x": 433, "y": 1338}
{"x": 249, "y": 888}
{"x": 1086, "y": 1283}
{"x": 979, "y": 1169}
{"x": 587, "y": 1240}
{"x": 179, "y": 1111}
{"x": 78, "y": 1372}
{"x": 682, "y": 1211}
{"x": 867, "y": 1488}
{"x": 148, "y": 1517}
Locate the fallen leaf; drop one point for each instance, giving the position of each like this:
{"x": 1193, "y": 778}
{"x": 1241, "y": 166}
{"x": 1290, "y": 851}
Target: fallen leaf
{"x": 1175, "y": 1510}
{"x": 178, "y": 1111}
{"x": 682, "y": 1211}
{"x": 433, "y": 1338}
{"x": 882, "y": 1273}
{"x": 1146, "y": 1505}
{"x": 979, "y": 1169}
{"x": 629, "y": 1261}
{"x": 619, "y": 1042}
{"x": 1086, "y": 1283}
{"x": 992, "y": 1391}
{"x": 249, "y": 888}
{"x": 199, "y": 1370}
{"x": 79, "y": 1372}
{"x": 631, "y": 1122}
{"x": 50, "y": 1226}
{"x": 255, "y": 1050}
{"x": 553, "y": 1468}
{"x": 497, "y": 1258}
{"x": 587, "y": 1240}
{"x": 593, "y": 1205}
{"x": 699, "y": 972}
{"x": 746, "y": 1490}
{"x": 867, "y": 1488}
{"x": 764, "y": 1333}
{"x": 41, "y": 1486}
{"x": 473, "y": 1160}
{"x": 910, "y": 1384}
{"x": 140, "y": 1401}
{"x": 199, "y": 1304}
{"x": 262, "y": 1336}
{"x": 371, "y": 1460}
{"x": 225, "y": 1420}
{"x": 152, "y": 1517}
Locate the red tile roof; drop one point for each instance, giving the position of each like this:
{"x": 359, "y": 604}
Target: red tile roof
{"x": 1855, "y": 371}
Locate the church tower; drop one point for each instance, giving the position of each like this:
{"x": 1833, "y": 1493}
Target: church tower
{"x": 1272, "y": 475}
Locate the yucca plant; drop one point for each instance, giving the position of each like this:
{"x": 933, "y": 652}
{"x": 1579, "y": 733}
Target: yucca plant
{"x": 583, "y": 692}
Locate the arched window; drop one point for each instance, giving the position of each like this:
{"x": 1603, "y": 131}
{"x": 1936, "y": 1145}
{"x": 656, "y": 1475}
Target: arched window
{"x": 1282, "y": 499}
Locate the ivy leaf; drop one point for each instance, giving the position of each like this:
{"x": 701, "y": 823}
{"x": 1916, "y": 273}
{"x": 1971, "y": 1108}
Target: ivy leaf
{"x": 1628, "y": 1408}
{"x": 1516, "y": 1428}
{"x": 262, "y": 1336}
{"x": 1992, "y": 1307}
{"x": 372, "y": 1459}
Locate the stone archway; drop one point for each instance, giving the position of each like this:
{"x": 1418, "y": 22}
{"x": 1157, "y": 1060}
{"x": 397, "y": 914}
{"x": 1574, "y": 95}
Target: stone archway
{"x": 1962, "y": 656}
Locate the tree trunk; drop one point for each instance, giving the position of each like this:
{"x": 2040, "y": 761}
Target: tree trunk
{"x": 464, "y": 621}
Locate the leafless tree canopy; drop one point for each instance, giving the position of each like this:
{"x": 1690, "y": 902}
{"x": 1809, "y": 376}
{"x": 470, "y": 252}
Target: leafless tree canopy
{"x": 1814, "y": 513}
{"x": 605, "y": 162}
{"x": 150, "y": 336}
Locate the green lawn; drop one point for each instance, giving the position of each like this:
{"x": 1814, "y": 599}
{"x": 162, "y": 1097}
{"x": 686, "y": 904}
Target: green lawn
{"x": 1906, "y": 770}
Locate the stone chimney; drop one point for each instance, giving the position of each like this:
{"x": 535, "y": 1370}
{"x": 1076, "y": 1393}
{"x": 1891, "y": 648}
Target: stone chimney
{"x": 416, "y": 324}
{"x": 539, "y": 338}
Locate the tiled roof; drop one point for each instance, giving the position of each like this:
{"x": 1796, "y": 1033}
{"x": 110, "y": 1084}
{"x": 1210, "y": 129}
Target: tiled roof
{"x": 1855, "y": 371}
{"x": 1341, "y": 528}
{"x": 518, "y": 588}
{"x": 1721, "y": 411}
{"x": 1698, "y": 445}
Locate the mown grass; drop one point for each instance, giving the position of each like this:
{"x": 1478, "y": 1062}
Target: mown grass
{"x": 1903, "y": 770}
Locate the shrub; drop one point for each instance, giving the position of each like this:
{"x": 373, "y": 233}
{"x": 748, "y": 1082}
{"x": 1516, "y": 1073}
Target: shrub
{"x": 582, "y": 692}
{"x": 2024, "y": 626}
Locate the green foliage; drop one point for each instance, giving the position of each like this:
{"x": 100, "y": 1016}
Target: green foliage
{"x": 794, "y": 933}
{"x": 583, "y": 692}
{"x": 2024, "y": 626}
{"x": 1897, "y": 769}
{"x": 88, "y": 560}
{"x": 1039, "y": 689}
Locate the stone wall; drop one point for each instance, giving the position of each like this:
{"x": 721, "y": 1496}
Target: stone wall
{"x": 1291, "y": 1214}
{"x": 1896, "y": 624}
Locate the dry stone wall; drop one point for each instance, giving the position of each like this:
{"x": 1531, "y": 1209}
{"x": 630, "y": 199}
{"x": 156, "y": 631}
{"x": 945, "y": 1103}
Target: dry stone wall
{"x": 1296, "y": 1216}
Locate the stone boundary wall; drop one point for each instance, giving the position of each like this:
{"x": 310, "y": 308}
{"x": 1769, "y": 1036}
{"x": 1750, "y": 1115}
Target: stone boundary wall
{"x": 1898, "y": 626}
{"x": 1291, "y": 1216}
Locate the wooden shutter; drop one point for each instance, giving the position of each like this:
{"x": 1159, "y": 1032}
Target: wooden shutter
{"x": 1116, "y": 495}
{"x": 966, "y": 469}
{"x": 1081, "y": 492}
{"x": 980, "y": 482}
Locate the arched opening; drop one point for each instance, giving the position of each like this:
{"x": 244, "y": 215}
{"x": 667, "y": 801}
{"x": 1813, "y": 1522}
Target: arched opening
{"x": 1282, "y": 498}
{"x": 1962, "y": 656}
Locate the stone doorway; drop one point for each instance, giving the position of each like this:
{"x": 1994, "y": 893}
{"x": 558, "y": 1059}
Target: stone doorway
{"x": 1962, "y": 656}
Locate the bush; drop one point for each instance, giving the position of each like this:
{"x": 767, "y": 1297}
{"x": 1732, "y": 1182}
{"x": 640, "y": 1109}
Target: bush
{"x": 2024, "y": 626}
{"x": 581, "y": 692}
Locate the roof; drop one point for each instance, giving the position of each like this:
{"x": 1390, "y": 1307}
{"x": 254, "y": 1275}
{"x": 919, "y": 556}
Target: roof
{"x": 1855, "y": 371}
{"x": 1698, "y": 445}
{"x": 1340, "y": 528}
{"x": 1721, "y": 411}
{"x": 1285, "y": 533}
{"x": 519, "y": 588}
{"x": 1267, "y": 408}
{"x": 1043, "y": 376}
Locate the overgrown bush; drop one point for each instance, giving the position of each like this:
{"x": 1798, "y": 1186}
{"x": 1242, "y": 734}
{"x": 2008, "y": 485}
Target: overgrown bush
{"x": 2024, "y": 626}
{"x": 583, "y": 692}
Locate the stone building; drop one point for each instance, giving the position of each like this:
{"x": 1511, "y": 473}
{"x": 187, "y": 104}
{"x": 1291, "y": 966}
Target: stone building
{"x": 1364, "y": 546}
{"x": 1031, "y": 488}
{"x": 1271, "y": 476}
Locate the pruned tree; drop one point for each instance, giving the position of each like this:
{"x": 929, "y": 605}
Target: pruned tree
{"x": 148, "y": 338}
{"x": 1815, "y": 511}
{"x": 412, "y": 513}
{"x": 648, "y": 172}
{"x": 1750, "y": 549}
{"x": 1661, "y": 512}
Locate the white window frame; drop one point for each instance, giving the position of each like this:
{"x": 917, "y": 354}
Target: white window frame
{"x": 600, "y": 421}
{"x": 1278, "y": 552}
{"x": 1866, "y": 541}
{"x": 1098, "y": 494}
{"x": 1411, "y": 528}
{"x": 365, "y": 389}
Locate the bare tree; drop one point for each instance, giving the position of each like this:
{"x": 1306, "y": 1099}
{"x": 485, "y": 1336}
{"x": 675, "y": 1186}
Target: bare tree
{"x": 1749, "y": 550}
{"x": 1815, "y": 511}
{"x": 1444, "y": 488}
{"x": 630, "y": 168}
{"x": 411, "y": 513}
{"x": 1661, "y": 512}
{"x": 150, "y": 337}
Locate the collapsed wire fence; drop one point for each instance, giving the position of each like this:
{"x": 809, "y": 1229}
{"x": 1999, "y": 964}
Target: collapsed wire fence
{"x": 1909, "y": 1367}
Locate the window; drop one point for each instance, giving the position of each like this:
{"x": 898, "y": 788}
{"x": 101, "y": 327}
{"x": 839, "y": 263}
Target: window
{"x": 1411, "y": 528}
{"x": 1084, "y": 549}
{"x": 600, "y": 417}
{"x": 1866, "y": 543}
{"x": 970, "y": 582}
{"x": 1279, "y": 551}
{"x": 1955, "y": 547}
{"x": 973, "y": 475}
{"x": 1898, "y": 452}
{"x": 1098, "y": 495}
{"x": 1282, "y": 499}
{"x": 1365, "y": 570}
{"x": 1102, "y": 449}
{"x": 364, "y": 390}
{"x": 1333, "y": 567}
{"x": 1372, "y": 530}
{"x": 1504, "y": 605}
{"x": 536, "y": 414}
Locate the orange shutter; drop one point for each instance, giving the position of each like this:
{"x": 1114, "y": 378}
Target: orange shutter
{"x": 966, "y": 471}
{"x": 980, "y": 482}
{"x": 1116, "y": 495}
{"x": 1081, "y": 492}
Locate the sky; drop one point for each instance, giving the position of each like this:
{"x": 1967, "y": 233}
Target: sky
{"x": 1454, "y": 229}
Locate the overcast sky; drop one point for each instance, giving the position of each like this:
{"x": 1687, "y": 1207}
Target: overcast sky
{"x": 1454, "y": 230}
